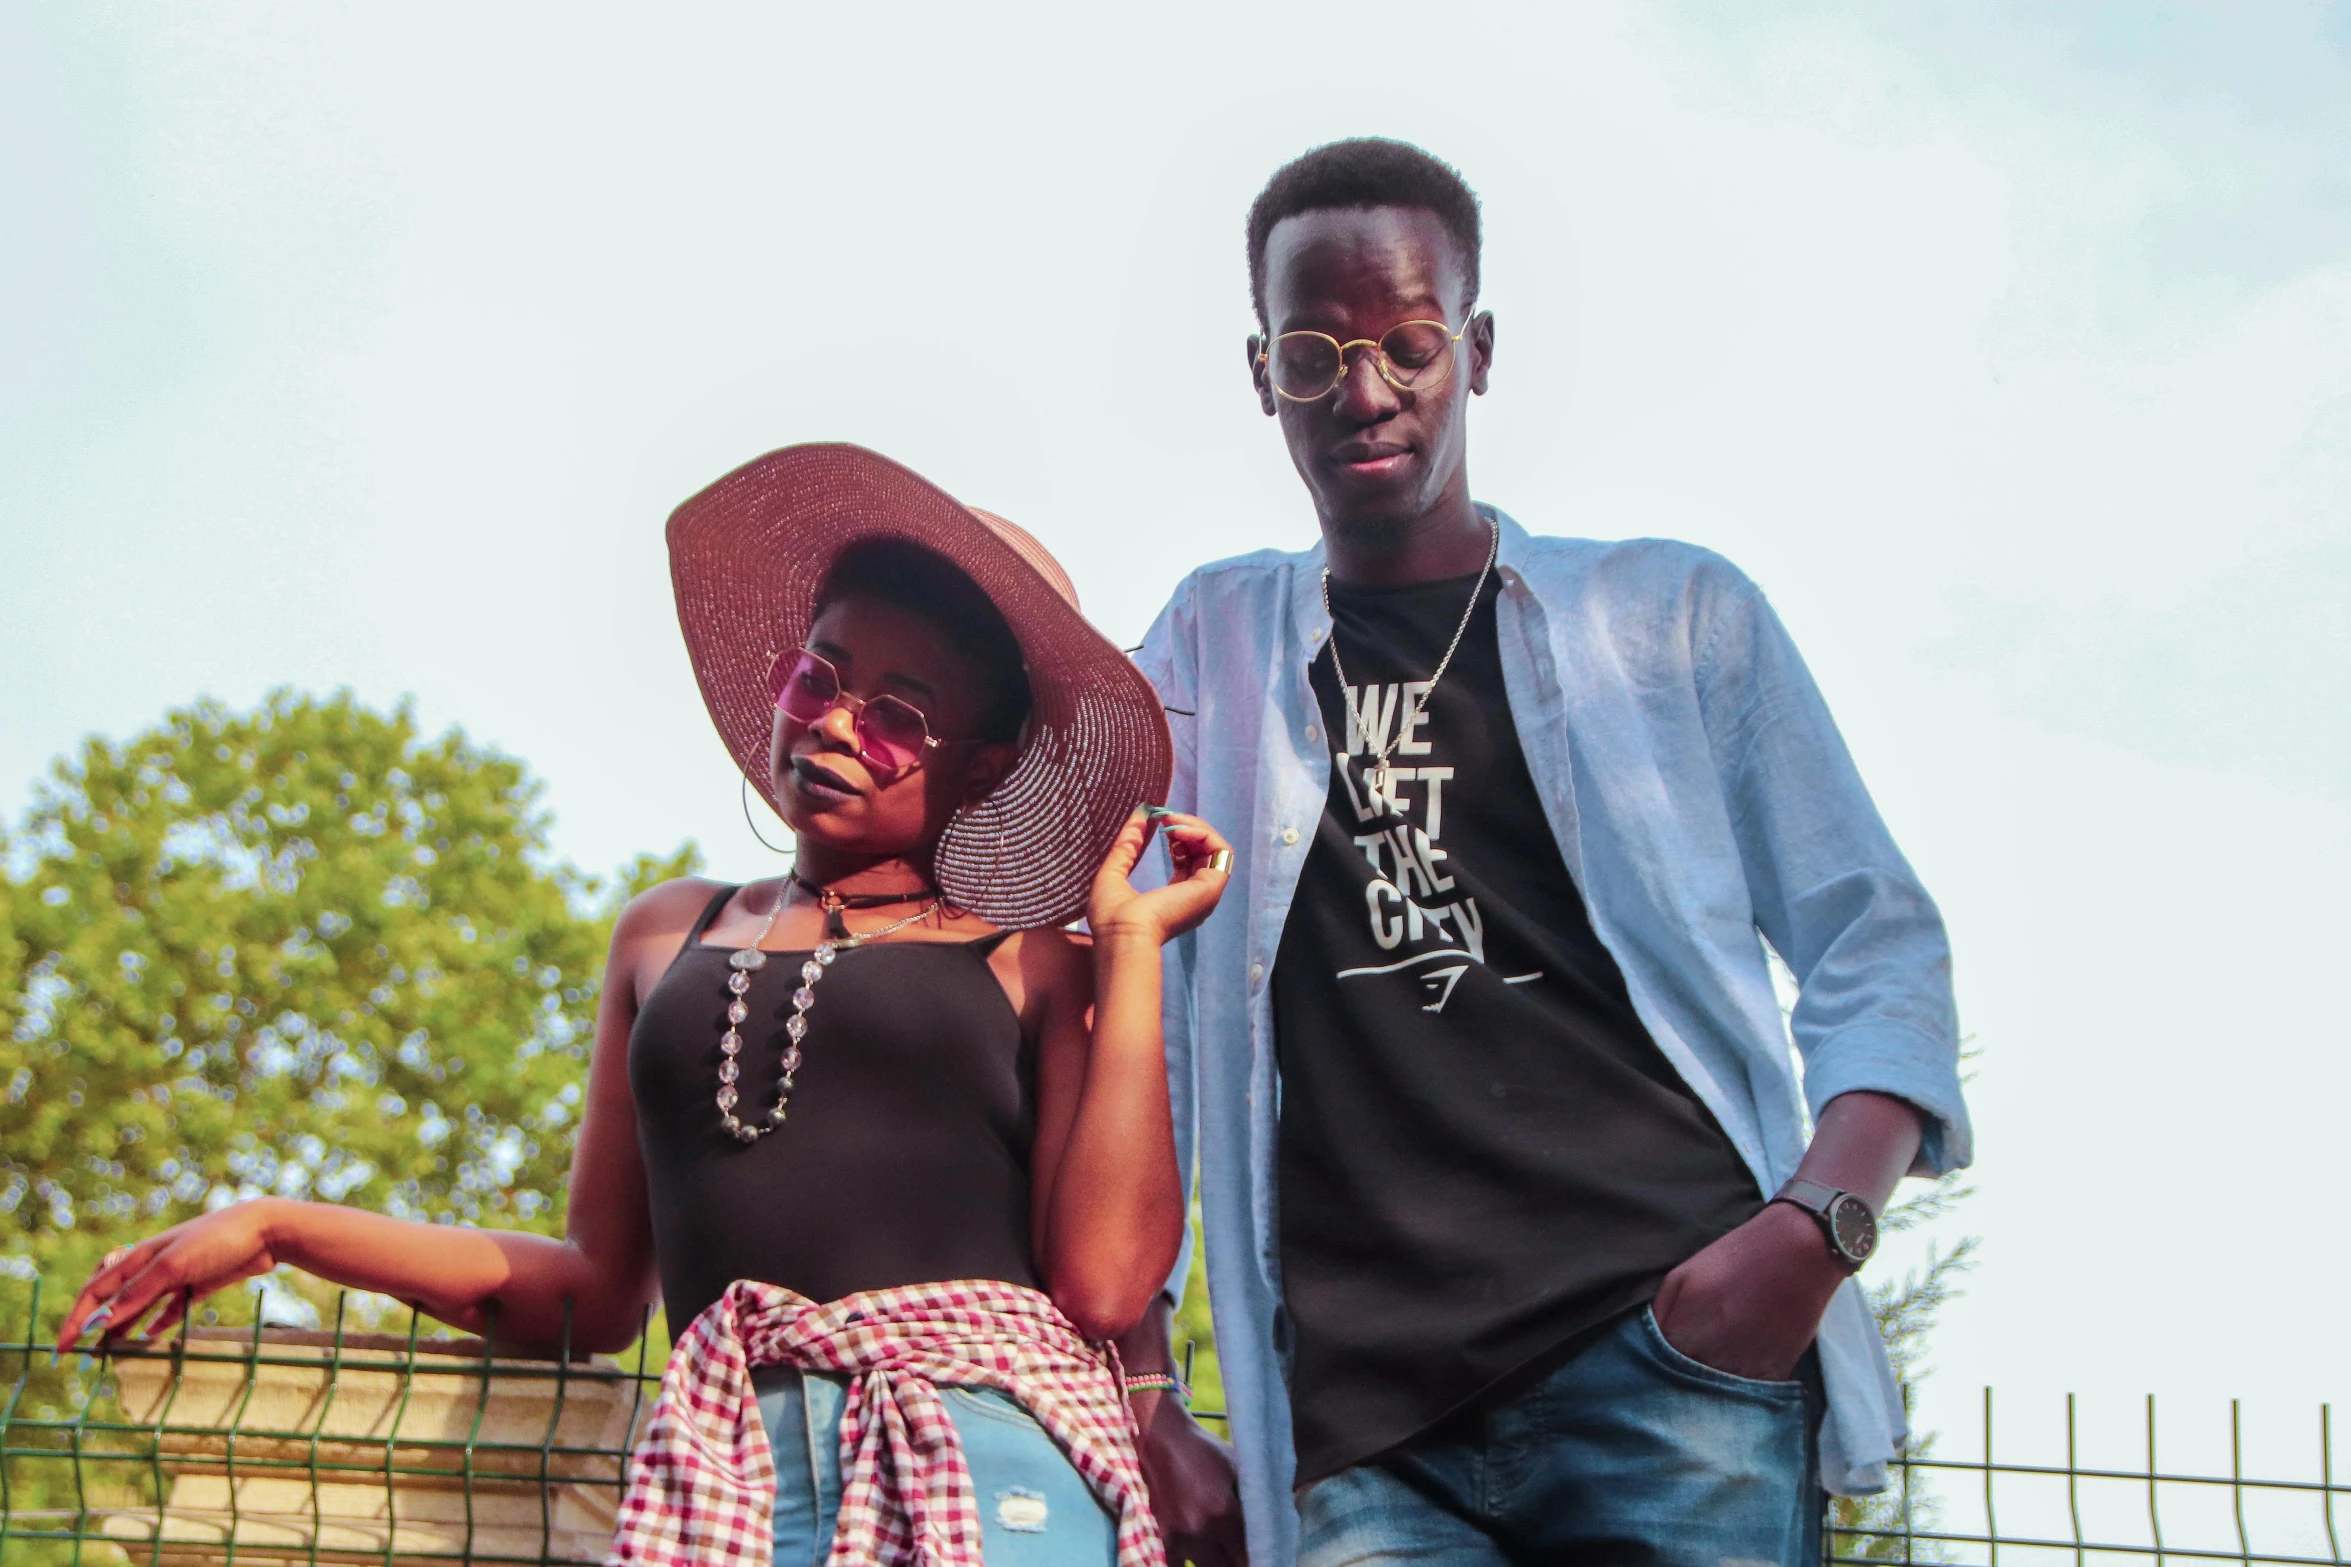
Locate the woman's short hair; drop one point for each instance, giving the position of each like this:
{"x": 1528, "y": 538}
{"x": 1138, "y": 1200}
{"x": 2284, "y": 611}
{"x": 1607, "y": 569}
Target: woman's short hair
{"x": 897, "y": 571}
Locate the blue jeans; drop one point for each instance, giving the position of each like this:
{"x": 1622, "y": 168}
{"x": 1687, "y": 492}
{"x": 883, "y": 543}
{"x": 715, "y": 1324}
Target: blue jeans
{"x": 1631, "y": 1452}
{"x": 1035, "y": 1510}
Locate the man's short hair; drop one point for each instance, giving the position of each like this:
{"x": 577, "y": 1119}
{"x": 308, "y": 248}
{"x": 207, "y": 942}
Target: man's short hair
{"x": 1365, "y": 171}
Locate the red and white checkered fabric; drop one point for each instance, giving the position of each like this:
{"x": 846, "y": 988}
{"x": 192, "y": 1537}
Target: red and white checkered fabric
{"x": 701, "y": 1486}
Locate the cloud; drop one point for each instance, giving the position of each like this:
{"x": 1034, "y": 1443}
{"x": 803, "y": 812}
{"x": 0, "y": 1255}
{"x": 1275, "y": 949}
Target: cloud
{"x": 2253, "y": 673}
{"x": 2137, "y": 520}
{"x": 2167, "y": 160}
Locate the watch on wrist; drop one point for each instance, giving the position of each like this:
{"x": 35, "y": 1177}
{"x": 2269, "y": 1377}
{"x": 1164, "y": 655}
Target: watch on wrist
{"x": 1846, "y": 1220}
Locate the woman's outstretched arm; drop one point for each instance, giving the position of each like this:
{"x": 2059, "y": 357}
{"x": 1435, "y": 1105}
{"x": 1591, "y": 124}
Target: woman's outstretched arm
{"x": 1109, "y": 1202}
{"x": 603, "y": 1266}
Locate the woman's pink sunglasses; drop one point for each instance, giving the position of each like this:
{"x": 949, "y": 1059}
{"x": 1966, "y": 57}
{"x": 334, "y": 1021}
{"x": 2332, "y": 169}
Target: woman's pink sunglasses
{"x": 891, "y": 734}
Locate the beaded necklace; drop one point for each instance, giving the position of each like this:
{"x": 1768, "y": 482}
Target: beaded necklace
{"x": 746, "y": 961}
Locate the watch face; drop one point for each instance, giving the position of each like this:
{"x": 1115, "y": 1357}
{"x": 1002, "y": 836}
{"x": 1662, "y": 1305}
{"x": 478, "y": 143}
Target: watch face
{"x": 1855, "y": 1227}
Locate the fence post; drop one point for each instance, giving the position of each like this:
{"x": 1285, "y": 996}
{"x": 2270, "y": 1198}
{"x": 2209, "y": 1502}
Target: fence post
{"x": 2073, "y": 1483}
{"x": 244, "y": 1402}
{"x": 481, "y": 1410}
{"x": 81, "y": 1489}
{"x": 1991, "y": 1521}
{"x": 2326, "y": 1475}
{"x": 547, "y": 1447}
{"x": 32, "y": 1330}
{"x": 2237, "y": 1481}
{"x": 326, "y": 1408}
{"x": 1909, "y": 1525}
{"x": 392, "y": 1437}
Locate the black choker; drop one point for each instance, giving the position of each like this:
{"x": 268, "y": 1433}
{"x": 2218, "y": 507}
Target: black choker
{"x": 835, "y": 903}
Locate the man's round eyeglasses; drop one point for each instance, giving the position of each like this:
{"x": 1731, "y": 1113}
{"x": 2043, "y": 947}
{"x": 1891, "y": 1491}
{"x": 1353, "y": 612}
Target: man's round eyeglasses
{"x": 1416, "y": 356}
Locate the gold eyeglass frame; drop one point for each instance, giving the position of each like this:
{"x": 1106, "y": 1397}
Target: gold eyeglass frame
{"x": 1379, "y": 356}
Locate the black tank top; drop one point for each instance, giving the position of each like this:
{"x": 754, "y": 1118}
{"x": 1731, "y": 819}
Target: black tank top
{"x": 905, "y": 1155}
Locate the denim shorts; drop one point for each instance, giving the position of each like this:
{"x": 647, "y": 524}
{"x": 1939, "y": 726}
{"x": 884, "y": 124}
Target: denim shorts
{"x": 1035, "y": 1509}
{"x": 1631, "y": 1452}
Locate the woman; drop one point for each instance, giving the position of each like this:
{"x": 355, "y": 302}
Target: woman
{"x": 878, "y": 1132}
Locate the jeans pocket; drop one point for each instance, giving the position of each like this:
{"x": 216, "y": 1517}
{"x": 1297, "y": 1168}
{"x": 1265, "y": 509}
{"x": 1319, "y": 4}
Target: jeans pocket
{"x": 1672, "y": 1359}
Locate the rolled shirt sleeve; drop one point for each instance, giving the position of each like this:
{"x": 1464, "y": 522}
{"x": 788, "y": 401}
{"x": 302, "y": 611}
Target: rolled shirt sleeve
{"x": 1831, "y": 892}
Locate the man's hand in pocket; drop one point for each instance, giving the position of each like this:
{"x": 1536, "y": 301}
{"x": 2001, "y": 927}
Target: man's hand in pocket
{"x": 1750, "y": 1303}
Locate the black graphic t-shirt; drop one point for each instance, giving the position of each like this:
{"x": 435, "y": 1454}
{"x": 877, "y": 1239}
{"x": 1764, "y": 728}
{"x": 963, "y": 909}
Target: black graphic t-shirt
{"x": 1484, "y": 1156}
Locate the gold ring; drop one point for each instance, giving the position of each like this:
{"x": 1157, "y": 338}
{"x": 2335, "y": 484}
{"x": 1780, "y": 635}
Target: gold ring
{"x": 1221, "y": 860}
{"x": 115, "y": 1256}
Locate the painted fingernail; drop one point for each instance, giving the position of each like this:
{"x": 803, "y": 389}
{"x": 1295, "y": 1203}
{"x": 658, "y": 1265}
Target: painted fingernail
{"x": 1156, "y": 811}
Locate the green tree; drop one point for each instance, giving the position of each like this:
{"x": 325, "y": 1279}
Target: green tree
{"x": 299, "y": 950}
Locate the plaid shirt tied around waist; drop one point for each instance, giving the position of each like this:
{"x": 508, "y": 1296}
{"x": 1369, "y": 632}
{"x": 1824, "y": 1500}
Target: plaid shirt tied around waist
{"x": 701, "y": 1486}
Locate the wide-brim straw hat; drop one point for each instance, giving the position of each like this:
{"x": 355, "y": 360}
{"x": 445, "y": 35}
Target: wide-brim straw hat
{"x": 747, "y": 556}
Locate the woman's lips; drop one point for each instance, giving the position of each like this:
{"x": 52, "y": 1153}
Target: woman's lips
{"x": 819, "y": 779}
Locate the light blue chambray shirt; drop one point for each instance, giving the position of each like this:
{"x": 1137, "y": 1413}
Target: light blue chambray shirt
{"x": 1700, "y": 794}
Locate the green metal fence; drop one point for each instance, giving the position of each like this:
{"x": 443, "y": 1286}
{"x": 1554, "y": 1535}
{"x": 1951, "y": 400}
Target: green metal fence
{"x": 263, "y": 1446}
{"x": 2062, "y": 1501}
{"x": 279, "y": 1446}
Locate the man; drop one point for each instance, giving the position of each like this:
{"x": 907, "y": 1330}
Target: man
{"x": 1519, "y": 1247}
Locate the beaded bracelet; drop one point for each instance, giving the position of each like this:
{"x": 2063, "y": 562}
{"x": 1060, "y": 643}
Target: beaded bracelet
{"x": 1159, "y": 1379}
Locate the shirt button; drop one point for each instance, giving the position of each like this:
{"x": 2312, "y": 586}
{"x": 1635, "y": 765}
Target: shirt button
{"x": 1313, "y": 733}
{"x": 1289, "y": 835}
{"x": 1315, "y": 635}
{"x": 1256, "y": 973}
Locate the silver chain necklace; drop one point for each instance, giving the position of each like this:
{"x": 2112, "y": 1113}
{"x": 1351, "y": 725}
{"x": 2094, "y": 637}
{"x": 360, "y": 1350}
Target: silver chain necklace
{"x": 747, "y": 960}
{"x": 1493, "y": 553}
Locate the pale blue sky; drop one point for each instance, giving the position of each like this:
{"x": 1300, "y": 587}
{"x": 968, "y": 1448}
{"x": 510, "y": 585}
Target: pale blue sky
{"x": 2005, "y": 344}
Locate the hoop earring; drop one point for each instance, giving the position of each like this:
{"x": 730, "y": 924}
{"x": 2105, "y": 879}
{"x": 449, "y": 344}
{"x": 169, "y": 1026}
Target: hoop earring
{"x": 745, "y": 780}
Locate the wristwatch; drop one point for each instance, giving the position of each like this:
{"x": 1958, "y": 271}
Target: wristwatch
{"x": 1845, "y": 1219}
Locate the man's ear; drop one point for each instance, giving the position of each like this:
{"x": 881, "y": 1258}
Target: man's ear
{"x": 1260, "y": 373}
{"x": 1481, "y": 350}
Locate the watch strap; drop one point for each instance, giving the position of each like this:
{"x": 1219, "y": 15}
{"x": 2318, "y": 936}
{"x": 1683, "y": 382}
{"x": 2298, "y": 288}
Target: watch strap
{"x": 1812, "y": 1196}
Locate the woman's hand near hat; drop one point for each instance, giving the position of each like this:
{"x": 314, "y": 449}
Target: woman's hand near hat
{"x": 1200, "y": 862}
{"x": 1110, "y": 1198}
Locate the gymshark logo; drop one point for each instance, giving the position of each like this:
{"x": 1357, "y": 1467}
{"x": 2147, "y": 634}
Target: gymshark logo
{"x": 1436, "y": 984}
